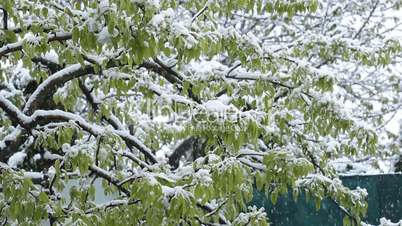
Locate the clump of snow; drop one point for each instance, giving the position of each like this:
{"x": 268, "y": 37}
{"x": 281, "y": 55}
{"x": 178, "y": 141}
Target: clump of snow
{"x": 207, "y": 69}
{"x": 51, "y": 156}
{"x": 103, "y": 6}
{"x": 33, "y": 175}
{"x": 66, "y": 148}
{"x": 32, "y": 39}
{"x": 176, "y": 192}
{"x": 244, "y": 218}
{"x": 162, "y": 19}
{"x": 331, "y": 143}
{"x": 37, "y": 157}
{"x": 104, "y": 36}
{"x": 184, "y": 171}
{"x": 203, "y": 177}
{"x": 367, "y": 166}
{"x": 229, "y": 32}
{"x": 92, "y": 25}
{"x": 386, "y": 222}
{"x": 213, "y": 158}
{"x": 51, "y": 172}
{"x": 252, "y": 40}
{"x": 216, "y": 106}
{"x": 16, "y": 159}
{"x": 10, "y": 137}
{"x": 51, "y": 56}
{"x": 22, "y": 76}
{"x": 181, "y": 29}
{"x": 176, "y": 98}
{"x": 152, "y": 181}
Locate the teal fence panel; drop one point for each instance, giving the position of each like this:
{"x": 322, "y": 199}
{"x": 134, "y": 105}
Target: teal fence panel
{"x": 384, "y": 200}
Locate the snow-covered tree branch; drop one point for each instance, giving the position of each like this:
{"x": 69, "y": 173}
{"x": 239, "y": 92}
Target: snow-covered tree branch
{"x": 182, "y": 108}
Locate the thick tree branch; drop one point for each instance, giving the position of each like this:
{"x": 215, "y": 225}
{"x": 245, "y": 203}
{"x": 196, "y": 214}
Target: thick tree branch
{"x": 168, "y": 69}
{"x": 134, "y": 158}
{"x": 105, "y": 175}
{"x": 169, "y": 74}
{"x": 5, "y": 19}
{"x": 12, "y": 47}
{"x": 112, "y": 120}
{"x": 162, "y": 71}
{"x": 43, "y": 117}
{"x": 13, "y": 112}
{"x": 17, "y": 46}
{"x": 47, "y": 88}
{"x": 52, "y": 66}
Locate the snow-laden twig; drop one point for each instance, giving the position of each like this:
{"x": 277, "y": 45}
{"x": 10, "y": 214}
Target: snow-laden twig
{"x": 17, "y": 46}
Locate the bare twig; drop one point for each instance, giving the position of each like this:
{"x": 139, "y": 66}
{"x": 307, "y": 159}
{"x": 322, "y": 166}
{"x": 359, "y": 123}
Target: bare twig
{"x": 367, "y": 20}
{"x": 199, "y": 13}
